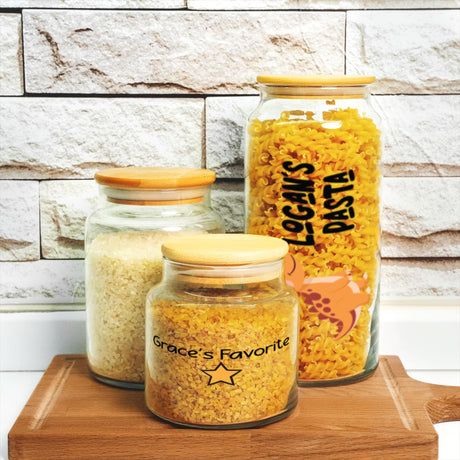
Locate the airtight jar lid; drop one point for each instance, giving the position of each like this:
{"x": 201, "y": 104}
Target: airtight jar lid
{"x": 315, "y": 80}
{"x": 155, "y": 185}
{"x": 154, "y": 178}
{"x": 225, "y": 249}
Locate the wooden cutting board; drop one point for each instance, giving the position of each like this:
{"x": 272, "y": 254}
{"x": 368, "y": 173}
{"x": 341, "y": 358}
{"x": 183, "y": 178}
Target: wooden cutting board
{"x": 388, "y": 416}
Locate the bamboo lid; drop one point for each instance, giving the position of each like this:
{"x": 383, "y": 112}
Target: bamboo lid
{"x": 315, "y": 80}
{"x": 154, "y": 177}
{"x": 225, "y": 249}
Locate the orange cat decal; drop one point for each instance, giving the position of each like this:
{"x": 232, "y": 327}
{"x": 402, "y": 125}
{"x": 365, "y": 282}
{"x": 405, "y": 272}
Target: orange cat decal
{"x": 338, "y": 297}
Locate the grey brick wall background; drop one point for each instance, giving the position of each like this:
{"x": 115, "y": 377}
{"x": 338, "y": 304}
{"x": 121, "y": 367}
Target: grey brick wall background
{"x": 171, "y": 82}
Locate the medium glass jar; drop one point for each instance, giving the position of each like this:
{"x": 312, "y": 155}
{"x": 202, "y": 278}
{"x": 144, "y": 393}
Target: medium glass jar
{"x": 221, "y": 333}
{"x": 312, "y": 178}
{"x": 141, "y": 208}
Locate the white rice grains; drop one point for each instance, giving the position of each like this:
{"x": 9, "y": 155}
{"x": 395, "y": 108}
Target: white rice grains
{"x": 120, "y": 270}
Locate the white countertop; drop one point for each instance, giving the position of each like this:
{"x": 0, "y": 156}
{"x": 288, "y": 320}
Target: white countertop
{"x": 427, "y": 340}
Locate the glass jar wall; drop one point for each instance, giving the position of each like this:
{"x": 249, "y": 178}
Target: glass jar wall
{"x": 312, "y": 179}
{"x": 221, "y": 333}
{"x": 142, "y": 207}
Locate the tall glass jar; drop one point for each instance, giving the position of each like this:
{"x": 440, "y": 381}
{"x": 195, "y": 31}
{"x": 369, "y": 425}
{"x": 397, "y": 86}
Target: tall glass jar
{"x": 141, "y": 208}
{"x": 312, "y": 178}
{"x": 221, "y": 333}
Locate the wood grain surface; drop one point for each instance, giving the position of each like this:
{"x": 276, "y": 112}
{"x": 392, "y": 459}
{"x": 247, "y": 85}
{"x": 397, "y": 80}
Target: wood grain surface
{"x": 388, "y": 416}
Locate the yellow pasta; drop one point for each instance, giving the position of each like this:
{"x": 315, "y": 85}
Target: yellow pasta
{"x": 176, "y": 386}
{"x": 316, "y": 185}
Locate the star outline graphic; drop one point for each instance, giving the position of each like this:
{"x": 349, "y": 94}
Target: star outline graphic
{"x": 224, "y": 375}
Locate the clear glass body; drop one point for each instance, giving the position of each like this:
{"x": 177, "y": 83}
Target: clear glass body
{"x": 313, "y": 179}
{"x": 123, "y": 261}
{"x": 221, "y": 345}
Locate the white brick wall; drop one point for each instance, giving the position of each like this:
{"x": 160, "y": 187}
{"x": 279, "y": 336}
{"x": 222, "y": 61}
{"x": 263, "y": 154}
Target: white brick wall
{"x": 174, "y": 52}
{"x": 43, "y": 137}
{"x": 10, "y": 62}
{"x": 409, "y": 52}
{"x": 166, "y": 82}
{"x": 19, "y": 224}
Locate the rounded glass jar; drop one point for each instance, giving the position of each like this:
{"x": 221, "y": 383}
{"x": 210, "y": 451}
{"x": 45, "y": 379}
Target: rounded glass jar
{"x": 141, "y": 208}
{"x": 312, "y": 178}
{"x": 221, "y": 333}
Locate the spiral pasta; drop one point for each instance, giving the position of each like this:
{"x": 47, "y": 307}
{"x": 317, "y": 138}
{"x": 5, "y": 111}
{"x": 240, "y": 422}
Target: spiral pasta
{"x": 317, "y": 187}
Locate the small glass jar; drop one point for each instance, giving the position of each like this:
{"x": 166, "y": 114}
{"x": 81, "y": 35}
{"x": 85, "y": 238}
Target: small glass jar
{"x": 141, "y": 208}
{"x": 221, "y": 333}
{"x": 312, "y": 178}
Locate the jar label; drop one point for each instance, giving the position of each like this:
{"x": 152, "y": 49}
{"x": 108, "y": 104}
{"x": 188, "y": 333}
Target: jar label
{"x": 311, "y": 196}
{"x": 221, "y": 373}
{"x": 301, "y": 194}
{"x": 336, "y": 298}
